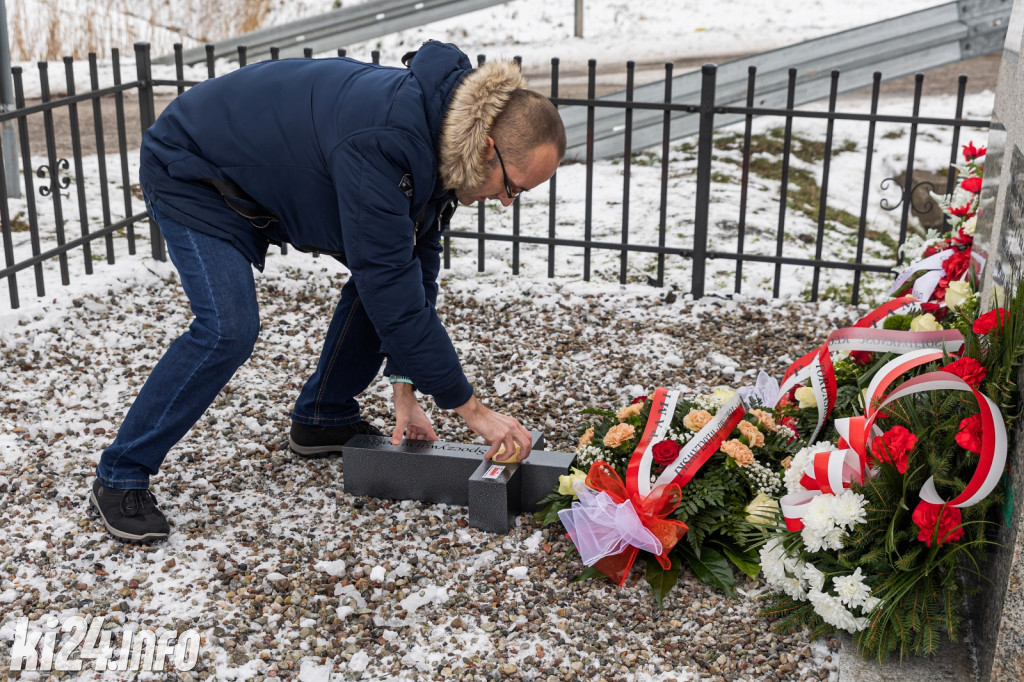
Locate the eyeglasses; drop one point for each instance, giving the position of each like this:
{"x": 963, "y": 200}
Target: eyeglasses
{"x": 508, "y": 186}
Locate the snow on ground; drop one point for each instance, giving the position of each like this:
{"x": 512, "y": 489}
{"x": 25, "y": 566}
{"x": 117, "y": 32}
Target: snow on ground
{"x": 273, "y": 553}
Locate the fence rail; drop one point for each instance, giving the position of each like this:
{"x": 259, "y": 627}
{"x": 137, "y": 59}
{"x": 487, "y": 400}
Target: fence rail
{"x": 703, "y": 207}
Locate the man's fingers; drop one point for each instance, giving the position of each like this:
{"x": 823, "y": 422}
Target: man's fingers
{"x": 396, "y": 435}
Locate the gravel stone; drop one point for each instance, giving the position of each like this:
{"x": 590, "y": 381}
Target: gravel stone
{"x": 270, "y": 559}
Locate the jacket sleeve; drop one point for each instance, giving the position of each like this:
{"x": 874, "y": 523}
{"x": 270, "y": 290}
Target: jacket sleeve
{"x": 395, "y": 277}
{"x": 428, "y": 251}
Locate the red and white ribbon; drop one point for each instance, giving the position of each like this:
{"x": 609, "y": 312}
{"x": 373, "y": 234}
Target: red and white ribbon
{"x": 828, "y": 473}
{"x": 924, "y": 286}
{"x": 693, "y": 454}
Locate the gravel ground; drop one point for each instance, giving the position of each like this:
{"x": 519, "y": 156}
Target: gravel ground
{"x": 289, "y": 577}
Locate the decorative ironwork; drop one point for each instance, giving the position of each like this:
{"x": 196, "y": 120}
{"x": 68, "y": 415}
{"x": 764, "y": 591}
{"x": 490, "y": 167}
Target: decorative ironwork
{"x": 884, "y": 203}
{"x": 923, "y": 208}
{"x": 62, "y": 180}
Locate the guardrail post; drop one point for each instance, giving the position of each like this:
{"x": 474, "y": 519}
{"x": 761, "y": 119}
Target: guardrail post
{"x": 704, "y": 149}
{"x": 147, "y": 115}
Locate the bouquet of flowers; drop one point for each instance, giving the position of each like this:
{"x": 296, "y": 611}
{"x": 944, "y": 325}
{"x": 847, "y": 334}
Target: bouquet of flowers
{"x": 884, "y": 517}
{"x": 940, "y": 272}
{"x": 671, "y": 479}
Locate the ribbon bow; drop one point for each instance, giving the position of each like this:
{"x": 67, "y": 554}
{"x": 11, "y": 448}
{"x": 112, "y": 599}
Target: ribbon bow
{"x": 609, "y": 526}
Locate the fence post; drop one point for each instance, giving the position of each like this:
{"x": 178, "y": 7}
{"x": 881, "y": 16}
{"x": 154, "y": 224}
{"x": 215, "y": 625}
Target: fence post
{"x": 579, "y": 18}
{"x": 8, "y": 142}
{"x": 704, "y": 149}
{"x": 147, "y": 115}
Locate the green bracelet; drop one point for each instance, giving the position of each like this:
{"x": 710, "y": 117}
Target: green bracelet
{"x": 399, "y": 379}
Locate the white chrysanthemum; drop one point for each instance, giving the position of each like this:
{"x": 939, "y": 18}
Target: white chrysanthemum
{"x": 818, "y": 516}
{"x": 793, "y": 587}
{"x": 848, "y": 509}
{"x": 913, "y": 247}
{"x": 772, "y": 555}
{"x": 833, "y": 612}
{"x": 815, "y": 578}
{"x": 851, "y": 589}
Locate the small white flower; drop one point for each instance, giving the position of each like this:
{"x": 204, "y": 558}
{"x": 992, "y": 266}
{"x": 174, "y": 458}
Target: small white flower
{"x": 793, "y": 587}
{"x": 833, "y": 612}
{"x": 815, "y": 578}
{"x": 851, "y": 589}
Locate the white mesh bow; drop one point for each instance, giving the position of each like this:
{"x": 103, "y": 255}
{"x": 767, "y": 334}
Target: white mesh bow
{"x": 599, "y": 527}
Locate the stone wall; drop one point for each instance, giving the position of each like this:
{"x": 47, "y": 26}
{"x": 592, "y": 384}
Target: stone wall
{"x": 997, "y": 611}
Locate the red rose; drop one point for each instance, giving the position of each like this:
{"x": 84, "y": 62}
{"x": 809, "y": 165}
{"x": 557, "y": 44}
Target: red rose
{"x": 993, "y": 319}
{"x": 862, "y": 357}
{"x": 928, "y": 516}
{"x": 930, "y": 251}
{"x": 968, "y": 369}
{"x": 971, "y": 152}
{"x": 893, "y": 447}
{"x": 972, "y": 185}
{"x": 638, "y": 399}
{"x": 930, "y": 308}
{"x": 666, "y": 451}
{"x": 969, "y": 436}
{"x": 956, "y": 265}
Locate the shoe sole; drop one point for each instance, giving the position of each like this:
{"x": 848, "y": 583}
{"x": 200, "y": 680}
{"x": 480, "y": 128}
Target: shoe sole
{"x": 313, "y": 451}
{"x": 120, "y": 534}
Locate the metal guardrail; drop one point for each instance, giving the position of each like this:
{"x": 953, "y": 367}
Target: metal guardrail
{"x": 896, "y": 47}
{"x": 335, "y": 29}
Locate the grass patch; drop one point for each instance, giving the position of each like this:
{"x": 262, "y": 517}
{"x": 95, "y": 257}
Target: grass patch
{"x": 18, "y": 223}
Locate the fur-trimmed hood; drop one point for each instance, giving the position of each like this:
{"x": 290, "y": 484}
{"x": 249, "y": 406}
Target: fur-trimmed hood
{"x": 476, "y": 103}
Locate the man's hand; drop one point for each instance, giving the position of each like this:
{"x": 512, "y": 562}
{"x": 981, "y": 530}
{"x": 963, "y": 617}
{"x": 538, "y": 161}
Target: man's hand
{"x": 496, "y": 429}
{"x": 410, "y": 419}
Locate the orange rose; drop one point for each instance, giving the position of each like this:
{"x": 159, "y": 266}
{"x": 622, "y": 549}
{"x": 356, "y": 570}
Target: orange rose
{"x": 587, "y": 436}
{"x": 619, "y": 434}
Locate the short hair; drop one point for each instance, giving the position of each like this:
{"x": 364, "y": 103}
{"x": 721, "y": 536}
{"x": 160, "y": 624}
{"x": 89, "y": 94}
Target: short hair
{"x": 527, "y": 121}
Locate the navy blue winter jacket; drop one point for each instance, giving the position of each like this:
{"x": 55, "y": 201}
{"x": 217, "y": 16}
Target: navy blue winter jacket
{"x": 330, "y": 155}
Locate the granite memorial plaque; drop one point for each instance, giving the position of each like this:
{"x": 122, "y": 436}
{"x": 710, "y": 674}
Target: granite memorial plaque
{"x": 453, "y": 473}
{"x": 997, "y": 611}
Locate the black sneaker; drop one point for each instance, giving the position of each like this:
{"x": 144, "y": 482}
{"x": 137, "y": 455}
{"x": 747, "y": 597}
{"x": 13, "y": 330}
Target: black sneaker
{"x": 130, "y": 515}
{"x": 319, "y": 441}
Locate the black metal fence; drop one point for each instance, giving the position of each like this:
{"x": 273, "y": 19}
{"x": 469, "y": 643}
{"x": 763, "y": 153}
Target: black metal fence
{"x": 636, "y": 218}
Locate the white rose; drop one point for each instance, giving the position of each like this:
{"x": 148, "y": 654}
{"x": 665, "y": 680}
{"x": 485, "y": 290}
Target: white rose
{"x": 722, "y": 395}
{"x": 925, "y": 323}
{"x": 969, "y": 225}
{"x": 761, "y": 510}
{"x": 566, "y": 481}
{"x": 805, "y": 395}
{"x": 957, "y": 293}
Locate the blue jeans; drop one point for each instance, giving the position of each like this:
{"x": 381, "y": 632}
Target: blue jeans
{"x": 218, "y": 281}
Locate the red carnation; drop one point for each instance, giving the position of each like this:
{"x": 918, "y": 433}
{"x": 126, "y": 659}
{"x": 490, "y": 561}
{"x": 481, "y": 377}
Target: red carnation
{"x": 993, "y": 319}
{"x": 963, "y": 238}
{"x": 638, "y": 399}
{"x": 947, "y": 519}
{"x": 956, "y": 265}
{"x": 972, "y": 185}
{"x": 971, "y": 152}
{"x": 666, "y": 451}
{"x": 893, "y": 447}
{"x": 862, "y": 357}
{"x": 968, "y": 369}
{"x": 964, "y": 211}
{"x": 970, "y": 435}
